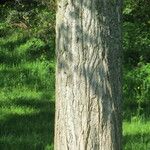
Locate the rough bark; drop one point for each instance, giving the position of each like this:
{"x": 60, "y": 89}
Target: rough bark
{"x": 88, "y": 75}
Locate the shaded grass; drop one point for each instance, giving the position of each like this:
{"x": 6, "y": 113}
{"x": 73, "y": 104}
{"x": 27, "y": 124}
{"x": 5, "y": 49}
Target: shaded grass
{"x": 27, "y": 123}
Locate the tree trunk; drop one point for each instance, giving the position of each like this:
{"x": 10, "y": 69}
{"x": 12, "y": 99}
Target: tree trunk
{"x": 88, "y": 75}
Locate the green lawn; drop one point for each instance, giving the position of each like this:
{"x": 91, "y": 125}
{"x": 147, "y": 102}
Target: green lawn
{"x": 136, "y": 135}
{"x": 27, "y": 122}
{"x": 26, "y": 92}
{"x": 26, "y": 114}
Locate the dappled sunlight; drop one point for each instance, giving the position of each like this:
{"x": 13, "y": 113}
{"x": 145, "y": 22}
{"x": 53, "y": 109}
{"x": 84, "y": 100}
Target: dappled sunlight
{"x": 15, "y": 37}
{"x": 27, "y": 67}
{"x": 27, "y": 123}
{"x": 30, "y": 45}
{"x": 19, "y": 92}
{"x": 17, "y": 110}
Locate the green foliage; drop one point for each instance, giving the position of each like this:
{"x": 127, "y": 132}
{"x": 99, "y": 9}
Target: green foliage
{"x": 137, "y": 81}
{"x": 136, "y": 32}
{"x": 136, "y": 44}
{"x": 136, "y": 92}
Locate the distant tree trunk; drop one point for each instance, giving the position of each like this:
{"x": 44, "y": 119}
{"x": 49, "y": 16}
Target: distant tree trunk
{"x": 88, "y": 75}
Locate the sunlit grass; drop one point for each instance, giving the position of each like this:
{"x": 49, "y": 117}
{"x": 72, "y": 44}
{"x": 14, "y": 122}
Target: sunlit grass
{"x": 30, "y": 45}
{"x": 136, "y": 135}
{"x": 136, "y": 127}
{"x": 18, "y": 110}
{"x": 19, "y": 92}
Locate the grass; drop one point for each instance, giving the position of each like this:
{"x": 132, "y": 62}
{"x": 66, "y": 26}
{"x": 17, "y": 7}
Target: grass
{"x": 27, "y": 125}
{"x": 26, "y": 93}
{"x": 26, "y": 108}
{"x": 136, "y": 135}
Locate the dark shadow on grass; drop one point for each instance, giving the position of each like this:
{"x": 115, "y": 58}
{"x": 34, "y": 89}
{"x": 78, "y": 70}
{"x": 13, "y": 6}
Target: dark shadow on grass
{"x": 9, "y": 56}
{"x": 34, "y": 131}
{"x": 9, "y": 59}
{"x": 141, "y": 141}
{"x": 133, "y": 110}
{"x": 11, "y": 45}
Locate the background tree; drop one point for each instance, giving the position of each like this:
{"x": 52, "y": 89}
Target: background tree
{"x": 88, "y": 75}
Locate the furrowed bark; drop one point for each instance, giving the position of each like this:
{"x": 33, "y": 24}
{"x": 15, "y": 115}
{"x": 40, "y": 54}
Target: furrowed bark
{"x": 88, "y": 75}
